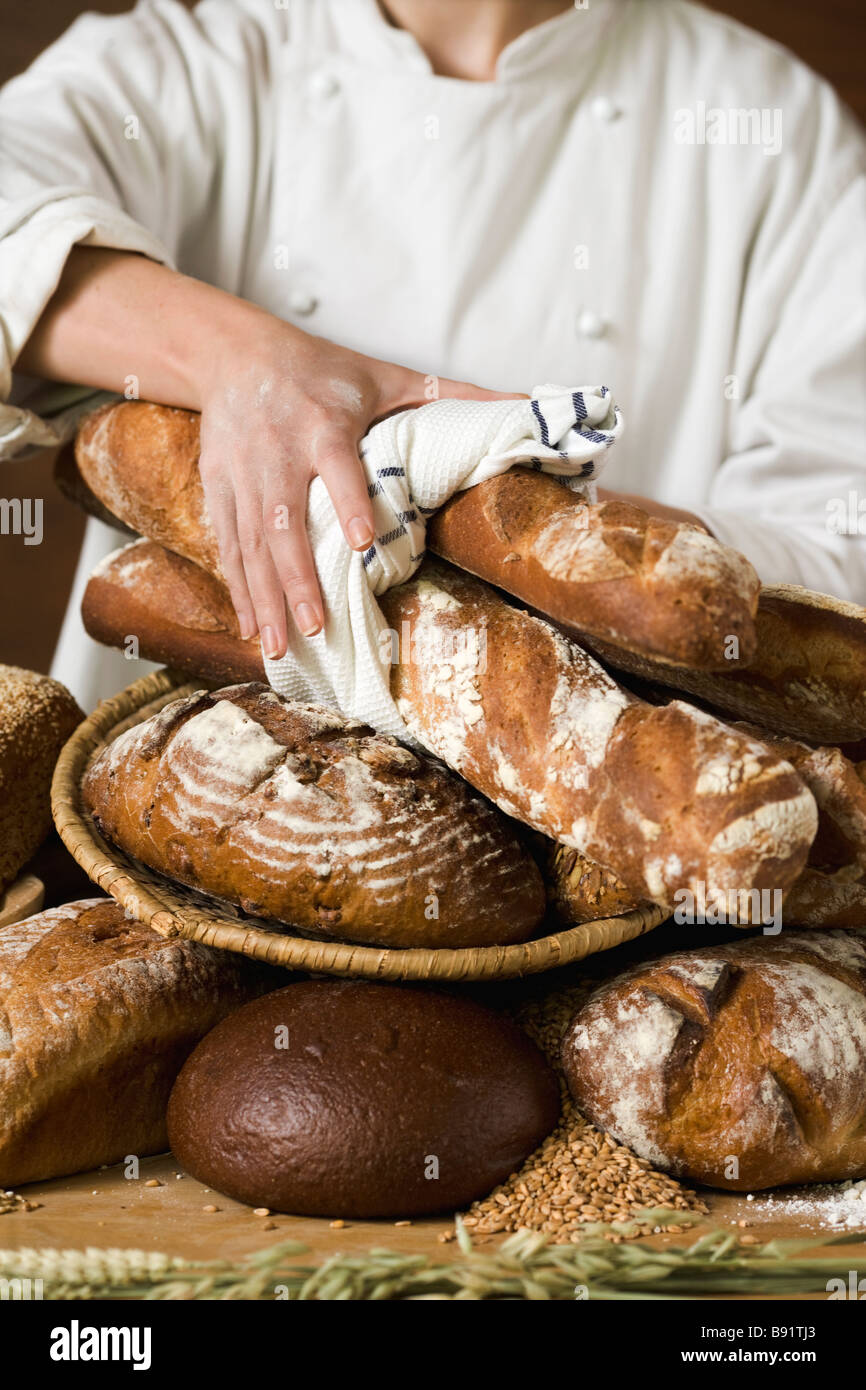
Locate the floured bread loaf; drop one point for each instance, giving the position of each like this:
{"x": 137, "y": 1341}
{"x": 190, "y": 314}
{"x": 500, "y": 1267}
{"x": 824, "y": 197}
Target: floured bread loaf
{"x": 298, "y": 814}
{"x": 741, "y": 1066}
{"x": 97, "y": 1015}
{"x": 668, "y": 797}
{"x": 830, "y": 891}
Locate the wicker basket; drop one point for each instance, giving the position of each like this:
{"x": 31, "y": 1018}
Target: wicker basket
{"x": 174, "y": 910}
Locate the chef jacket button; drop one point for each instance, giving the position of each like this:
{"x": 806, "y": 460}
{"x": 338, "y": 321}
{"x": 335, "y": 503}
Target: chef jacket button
{"x": 302, "y": 302}
{"x": 590, "y": 324}
{"x": 604, "y": 109}
{"x": 324, "y": 84}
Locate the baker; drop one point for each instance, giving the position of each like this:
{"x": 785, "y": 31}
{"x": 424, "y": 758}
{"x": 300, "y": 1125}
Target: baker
{"x": 256, "y": 211}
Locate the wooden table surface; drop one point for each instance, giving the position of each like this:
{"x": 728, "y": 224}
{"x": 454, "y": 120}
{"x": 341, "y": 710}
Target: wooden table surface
{"x": 104, "y": 1208}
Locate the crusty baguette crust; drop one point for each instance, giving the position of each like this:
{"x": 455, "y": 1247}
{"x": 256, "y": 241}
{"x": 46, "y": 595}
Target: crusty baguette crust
{"x": 807, "y": 678}
{"x": 753, "y": 1052}
{"x": 97, "y": 1015}
{"x": 662, "y": 588}
{"x": 141, "y": 462}
{"x": 667, "y": 797}
{"x": 175, "y": 611}
{"x": 297, "y": 814}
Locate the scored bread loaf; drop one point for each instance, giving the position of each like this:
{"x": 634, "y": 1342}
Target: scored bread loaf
{"x": 740, "y": 1066}
{"x": 98, "y": 1013}
{"x": 176, "y": 611}
{"x": 659, "y": 587}
{"x": 37, "y": 716}
{"x": 669, "y": 797}
{"x": 830, "y": 891}
{"x": 295, "y": 813}
{"x": 807, "y": 678}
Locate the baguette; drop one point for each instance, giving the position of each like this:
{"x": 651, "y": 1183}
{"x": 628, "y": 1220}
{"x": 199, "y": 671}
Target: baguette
{"x": 175, "y": 612}
{"x": 807, "y": 678}
{"x": 659, "y": 588}
{"x": 668, "y": 797}
{"x": 665, "y": 589}
{"x": 830, "y": 891}
{"x": 741, "y": 1066}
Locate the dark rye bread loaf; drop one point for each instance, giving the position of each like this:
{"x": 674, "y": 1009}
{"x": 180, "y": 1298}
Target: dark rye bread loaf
{"x": 349, "y": 1099}
{"x": 298, "y": 814}
{"x": 740, "y": 1066}
{"x": 97, "y": 1015}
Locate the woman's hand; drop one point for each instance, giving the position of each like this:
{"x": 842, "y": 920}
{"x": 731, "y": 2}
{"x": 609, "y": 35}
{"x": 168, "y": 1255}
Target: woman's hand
{"x": 287, "y": 408}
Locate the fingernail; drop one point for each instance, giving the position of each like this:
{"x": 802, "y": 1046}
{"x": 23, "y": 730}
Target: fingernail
{"x": 247, "y": 627}
{"x": 270, "y": 645}
{"x": 307, "y": 619}
{"x": 359, "y": 533}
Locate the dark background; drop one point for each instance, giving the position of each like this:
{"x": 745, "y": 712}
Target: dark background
{"x": 830, "y": 36}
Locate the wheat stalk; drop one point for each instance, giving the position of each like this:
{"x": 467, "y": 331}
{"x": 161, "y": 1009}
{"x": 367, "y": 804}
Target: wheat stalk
{"x": 526, "y": 1266}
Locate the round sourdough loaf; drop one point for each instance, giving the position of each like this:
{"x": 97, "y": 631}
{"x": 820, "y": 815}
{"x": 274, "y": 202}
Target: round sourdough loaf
{"x": 362, "y": 1100}
{"x": 741, "y": 1066}
{"x": 296, "y": 813}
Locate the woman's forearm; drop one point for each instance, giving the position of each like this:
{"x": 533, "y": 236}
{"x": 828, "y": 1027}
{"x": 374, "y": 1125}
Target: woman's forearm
{"x": 121, "y": 322}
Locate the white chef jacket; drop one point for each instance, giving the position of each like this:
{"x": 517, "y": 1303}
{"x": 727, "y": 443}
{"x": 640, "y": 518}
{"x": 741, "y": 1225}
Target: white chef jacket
{"x": 585, "y": 217}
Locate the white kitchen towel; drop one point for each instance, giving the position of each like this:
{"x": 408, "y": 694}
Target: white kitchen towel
{"x": 414, "y": 462}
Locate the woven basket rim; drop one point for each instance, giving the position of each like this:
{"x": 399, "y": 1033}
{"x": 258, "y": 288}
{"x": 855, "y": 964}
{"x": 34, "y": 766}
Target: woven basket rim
{"x": 173, "y": 911}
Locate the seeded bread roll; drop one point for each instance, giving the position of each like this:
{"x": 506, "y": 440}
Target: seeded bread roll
{"x": 37, "y": 716}
{"x": 97, "y": 1015}
{"x": 663, "y": 588}
{"x": 298, "y": 814}
{"x": 741, "y": 1066}
{"x": 668, "y": 797}
{"x": 386, "y": 1101}
{"x": 580, "y": 890}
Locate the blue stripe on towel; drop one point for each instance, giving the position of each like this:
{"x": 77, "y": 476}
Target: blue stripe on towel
{"x": 545, "y": 437}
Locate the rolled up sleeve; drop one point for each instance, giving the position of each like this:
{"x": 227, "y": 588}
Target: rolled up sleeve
{"x": 101, "y": 144}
